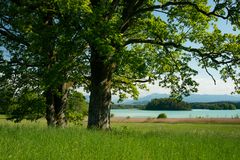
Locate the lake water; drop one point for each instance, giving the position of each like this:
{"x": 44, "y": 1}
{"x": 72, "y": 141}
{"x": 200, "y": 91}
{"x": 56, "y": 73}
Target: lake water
{"x": 177, "y": 114}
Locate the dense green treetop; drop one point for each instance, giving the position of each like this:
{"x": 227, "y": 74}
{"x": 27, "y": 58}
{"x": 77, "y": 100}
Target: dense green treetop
{"x": 40, "y": 42}
{"x": 142, "y": 45}
{"x": 43, "y": 55}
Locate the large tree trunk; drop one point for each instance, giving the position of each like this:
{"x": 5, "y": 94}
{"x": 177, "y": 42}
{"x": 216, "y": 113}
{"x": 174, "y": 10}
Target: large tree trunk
{"x": 48, "y": 47}
{"x": 100, "y": 97}
{"x": 50, "y": 109}
{"x": 60, "y": 105}
{"x": 56, "y": 100}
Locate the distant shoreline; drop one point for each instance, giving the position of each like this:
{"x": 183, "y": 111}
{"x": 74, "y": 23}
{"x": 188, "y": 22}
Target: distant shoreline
{"x": 175, "y": 120}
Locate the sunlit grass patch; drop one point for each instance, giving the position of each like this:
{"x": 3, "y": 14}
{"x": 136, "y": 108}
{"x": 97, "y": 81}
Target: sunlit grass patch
{"x": 125, "y": 141}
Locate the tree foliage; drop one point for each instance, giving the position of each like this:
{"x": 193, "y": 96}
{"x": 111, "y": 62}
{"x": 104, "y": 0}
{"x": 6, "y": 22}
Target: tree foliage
{"x": 77, "y": 108}
{"x": 77, "y": 102}
{"x": 43, "y": 52}
{"x": 30, "y": 105}
{"x": 26, "y": 105}
{"x": 162, "y": 115}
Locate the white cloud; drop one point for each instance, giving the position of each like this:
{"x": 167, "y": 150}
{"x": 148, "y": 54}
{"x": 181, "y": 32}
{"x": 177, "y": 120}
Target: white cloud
{"x": 206, "y": 86}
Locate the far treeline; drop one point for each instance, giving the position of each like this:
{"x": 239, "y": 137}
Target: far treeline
{"x": 174, "y": 104}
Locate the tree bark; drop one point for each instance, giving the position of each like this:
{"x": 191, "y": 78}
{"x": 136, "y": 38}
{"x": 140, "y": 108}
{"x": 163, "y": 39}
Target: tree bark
{"x": 50, "y": 109}
{"x": 56, "y": 100}
{"x": 60, "y": 106}
{"x": 100, "y": 97}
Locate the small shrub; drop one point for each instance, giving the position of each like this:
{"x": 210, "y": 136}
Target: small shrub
{"x": 111, "y": 115}
{"x": 199, "y": 117}
{"x": 75, "y": 117}
{"x": 162, "y": 115}
{"x": 128, "y": 117}
{"x": 236, "y": 116}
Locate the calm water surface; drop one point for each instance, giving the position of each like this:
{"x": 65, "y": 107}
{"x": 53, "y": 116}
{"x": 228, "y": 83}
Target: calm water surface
{"x": 177, "y": 114}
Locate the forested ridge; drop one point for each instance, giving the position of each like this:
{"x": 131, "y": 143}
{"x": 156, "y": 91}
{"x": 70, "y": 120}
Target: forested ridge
{"x": 173, "y": 104}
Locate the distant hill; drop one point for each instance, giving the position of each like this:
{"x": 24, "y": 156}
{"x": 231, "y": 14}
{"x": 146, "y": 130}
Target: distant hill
{"x": 145, "y": 100}
{"x": 192, "y": 98}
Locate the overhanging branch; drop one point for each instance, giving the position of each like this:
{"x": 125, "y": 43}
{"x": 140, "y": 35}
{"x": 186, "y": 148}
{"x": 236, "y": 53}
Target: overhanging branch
{"x": 13, "y": 37}
{"x": 212, "y": 13}
{"x": 199, "y": 51}
{"x": 130, "y": 80}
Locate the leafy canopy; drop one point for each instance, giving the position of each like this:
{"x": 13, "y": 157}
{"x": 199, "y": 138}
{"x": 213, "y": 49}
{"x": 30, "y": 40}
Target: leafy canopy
{"x": 143, "y": 40}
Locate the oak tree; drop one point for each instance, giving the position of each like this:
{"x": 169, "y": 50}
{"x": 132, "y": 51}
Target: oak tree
{"x": 42, "y": 52}
{"x": 142, "y": 41}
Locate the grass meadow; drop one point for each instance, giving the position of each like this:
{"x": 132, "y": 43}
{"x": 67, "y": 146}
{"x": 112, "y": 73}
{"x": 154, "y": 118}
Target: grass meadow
{"x": 133, "y": 141}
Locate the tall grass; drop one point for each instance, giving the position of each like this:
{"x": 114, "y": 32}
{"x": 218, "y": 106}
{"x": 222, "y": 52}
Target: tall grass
{"x": 135, "y": 141}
